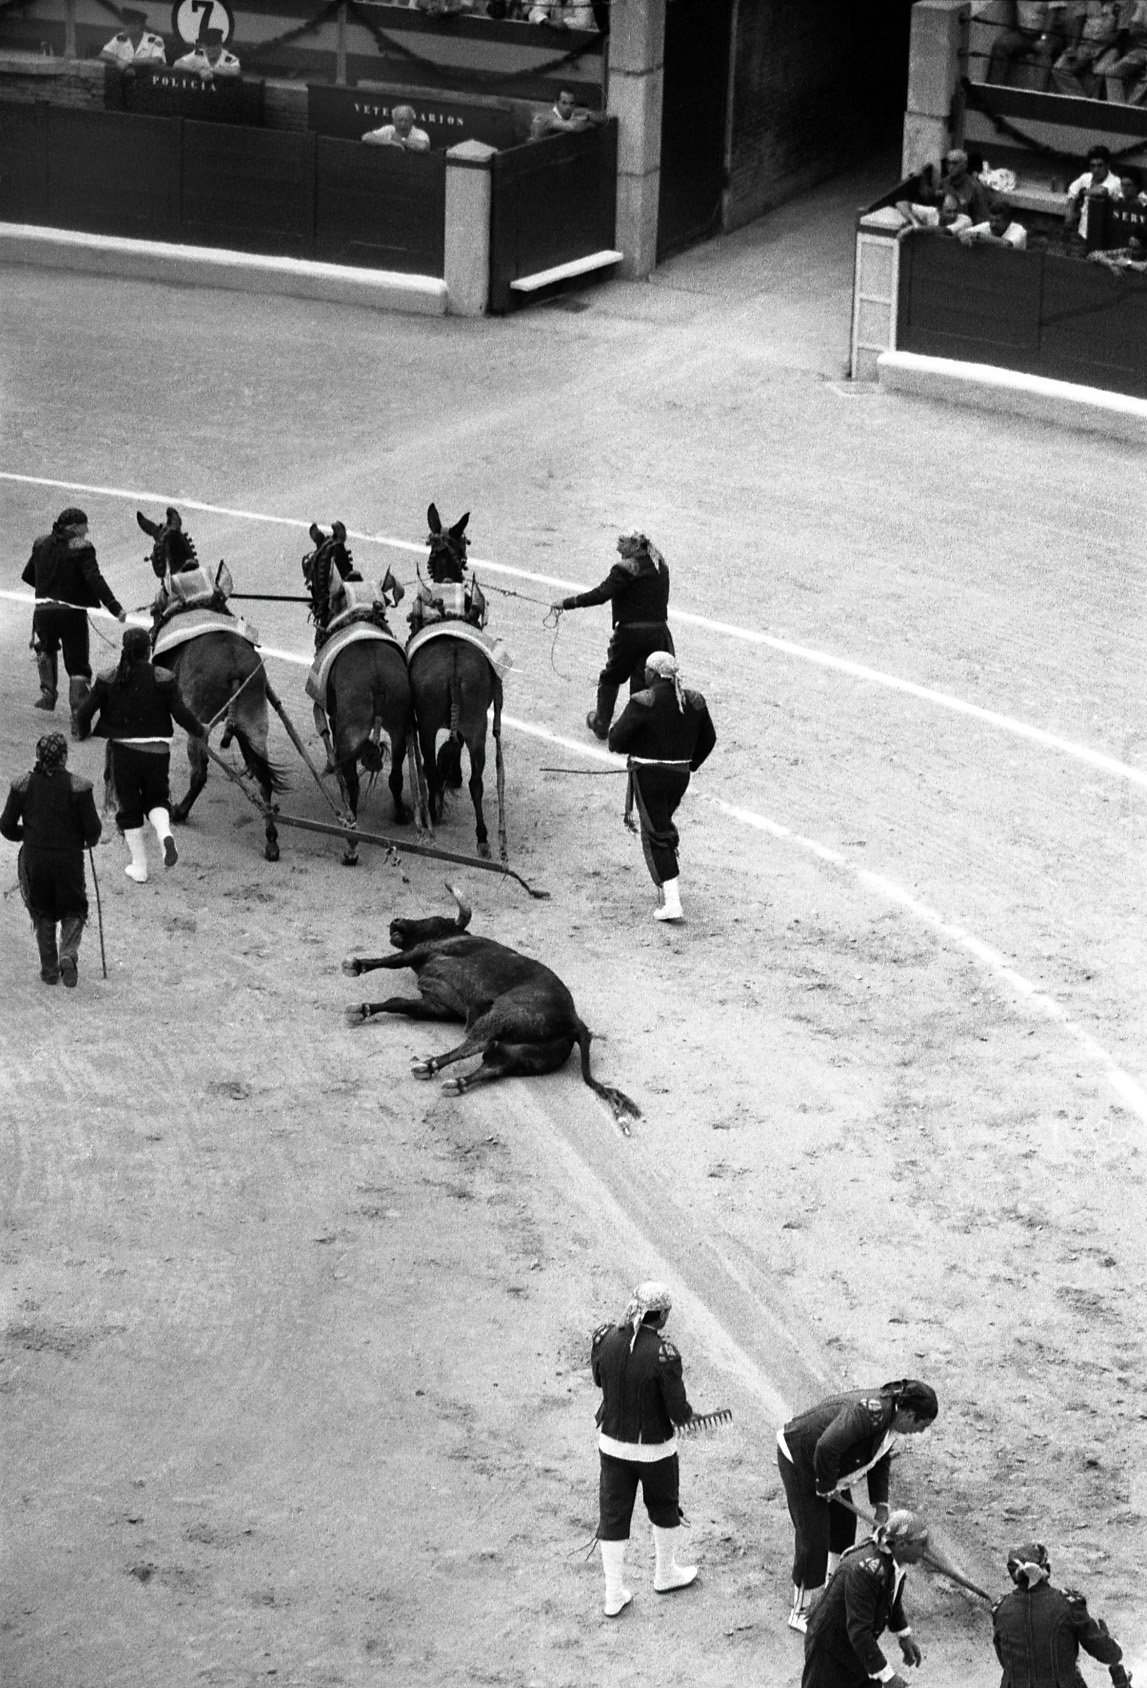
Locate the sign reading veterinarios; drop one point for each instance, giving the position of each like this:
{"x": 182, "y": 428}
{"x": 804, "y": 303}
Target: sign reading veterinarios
{"x": 350, "y": 112}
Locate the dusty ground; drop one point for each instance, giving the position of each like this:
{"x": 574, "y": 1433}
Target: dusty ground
{"x": 293, "y": 1367}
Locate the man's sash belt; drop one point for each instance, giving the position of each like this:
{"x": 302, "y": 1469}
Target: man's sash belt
{"x": 659, "y": 762}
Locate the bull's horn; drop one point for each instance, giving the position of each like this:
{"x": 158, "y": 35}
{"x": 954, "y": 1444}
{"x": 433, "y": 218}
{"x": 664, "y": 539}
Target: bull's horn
{"x": 464, "y": 909}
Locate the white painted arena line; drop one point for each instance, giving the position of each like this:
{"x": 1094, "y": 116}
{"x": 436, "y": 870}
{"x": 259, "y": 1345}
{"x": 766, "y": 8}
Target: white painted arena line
{"x": 1130, "y": 1092}
{"x": 747, "y": 635}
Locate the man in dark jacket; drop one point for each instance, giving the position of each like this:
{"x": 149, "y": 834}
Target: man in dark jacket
{"x": 136, "y": 705}
{"x": 638, "y": 1371}
{"x": 1037, "y": 1630}
{"x": 63, "y": 569}
{"x": 864, "y": 1598}
{"x": 666, "y": 733}
{"x": 821, "y": 1452}
{"x": 51, "y": 814}
{"x": 638, "y": 587}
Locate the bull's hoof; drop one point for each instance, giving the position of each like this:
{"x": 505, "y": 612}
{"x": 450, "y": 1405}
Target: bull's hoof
{"x": 402, "y": 815}
{"x": 484, "y": 849}
{"x": 352, "y": 967}
{"x": 179, "y": 814}
{"x": 350, "y": 859}
{"x": 358, "y": 1015}
{"x": 271, "y": 852}
{"x": 423, "y": 1067}
{"x": 453, "y": 1086}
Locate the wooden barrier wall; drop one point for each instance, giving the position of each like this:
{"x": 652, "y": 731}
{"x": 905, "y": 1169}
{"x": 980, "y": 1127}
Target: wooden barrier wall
{"x": 1035, "y": 311}
{"x": 551, "y": 201}
{"x": 207, "y": 184}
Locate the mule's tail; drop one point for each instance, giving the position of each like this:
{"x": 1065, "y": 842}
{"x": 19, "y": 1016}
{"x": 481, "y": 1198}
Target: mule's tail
{"x": 624, "y": 1108}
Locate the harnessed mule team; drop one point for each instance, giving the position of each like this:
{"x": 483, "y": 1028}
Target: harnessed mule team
{"x": 366, "y": 685}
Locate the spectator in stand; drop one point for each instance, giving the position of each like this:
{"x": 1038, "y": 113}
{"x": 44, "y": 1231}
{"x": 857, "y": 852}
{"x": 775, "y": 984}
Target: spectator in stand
{"x": 563, "y": 14}
{"x": 1096, "y": 29}
{"x": 1121, "y": 259}
{"x": 1124, "y": 68}
{"x": 999, "y": 230}
{"x": 400, "y": 132}
{"x": 1032, "y": 35}
{"x": 1133, "y": 193}
{"x": 441, "y": 8}
{"x": 1098, "y": 179}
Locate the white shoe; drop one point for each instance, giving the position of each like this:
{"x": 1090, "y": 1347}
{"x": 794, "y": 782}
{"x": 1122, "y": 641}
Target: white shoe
{"x": 671, "y": 904}
{"x": 617, "y": 1596}
{"x": 669, "y": 1575}
{"x": 137, "y": 868}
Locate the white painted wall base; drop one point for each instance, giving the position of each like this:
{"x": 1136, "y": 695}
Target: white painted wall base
{"x": 207, "y": 266}
{"x": 984, "y": 387}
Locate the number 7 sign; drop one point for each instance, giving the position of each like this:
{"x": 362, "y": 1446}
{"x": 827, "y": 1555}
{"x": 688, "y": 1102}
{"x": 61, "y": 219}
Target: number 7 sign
{"x": 191, "y": 19}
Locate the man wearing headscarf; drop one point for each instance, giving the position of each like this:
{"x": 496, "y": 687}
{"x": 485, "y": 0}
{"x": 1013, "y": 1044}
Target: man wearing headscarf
{"x": 137, "y": 704}
{"x": 64, "y": 570}
{"x": 1038, "y": 1630}
{"x": 51, "y": 814}
{"x": 822, "y": 1452}
{"x": 864, "y": 1598}
{"x": 638, "y": 587}
{"x": 666, "y": 733}
{"x": 638, "y": 1371}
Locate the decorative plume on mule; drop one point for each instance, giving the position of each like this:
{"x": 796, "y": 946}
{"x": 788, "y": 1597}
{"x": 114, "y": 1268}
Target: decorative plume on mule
{"x": 519, "y": 1016}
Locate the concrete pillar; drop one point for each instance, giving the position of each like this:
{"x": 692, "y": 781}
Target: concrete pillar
{"x": 468, "y": 227}
{"x": 939, "y": 37}
{"x": 875, "y": 298}
{"x": 636, "y": 58}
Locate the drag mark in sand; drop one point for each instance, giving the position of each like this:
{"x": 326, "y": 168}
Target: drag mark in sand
{"x": 1131, "y": 1093}
{"x": 729, "y": 630}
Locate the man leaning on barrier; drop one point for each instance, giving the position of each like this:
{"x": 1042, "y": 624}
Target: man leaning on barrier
{"x": 400, "y": 132}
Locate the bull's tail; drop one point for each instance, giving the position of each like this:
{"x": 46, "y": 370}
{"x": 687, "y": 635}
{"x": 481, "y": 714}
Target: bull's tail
{"x": 624, "y": 1108}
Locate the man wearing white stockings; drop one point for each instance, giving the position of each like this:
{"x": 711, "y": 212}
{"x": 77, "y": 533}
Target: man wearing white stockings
{"x": 136, "y": 705}
{"x": 638, "y": 1371}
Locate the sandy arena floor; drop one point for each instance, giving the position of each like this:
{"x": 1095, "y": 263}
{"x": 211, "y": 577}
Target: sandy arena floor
{"x": 293, "y": 1357}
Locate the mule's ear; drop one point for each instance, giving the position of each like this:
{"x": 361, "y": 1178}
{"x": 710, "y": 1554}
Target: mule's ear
{"x": 316, "y": 533}
{"x": 433, "y": 519}
{"x": 459, "y": 527}
{"x": 151, "y": 528}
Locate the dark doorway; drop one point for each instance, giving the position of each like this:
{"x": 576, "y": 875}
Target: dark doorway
{"x": 694, "y": 109}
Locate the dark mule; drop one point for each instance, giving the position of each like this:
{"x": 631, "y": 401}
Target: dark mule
{"x": 455, "y": 686}
{"x": 368, "y": 694}
{"x": 219, "y": 673}
{"x": 519, "y": 1016}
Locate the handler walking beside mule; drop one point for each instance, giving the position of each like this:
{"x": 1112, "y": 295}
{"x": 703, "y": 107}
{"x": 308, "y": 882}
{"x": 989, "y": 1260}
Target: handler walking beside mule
{"x": 638, "y": 587}
{"x": 136, "y": 705}
{"x": 64, "y": 570}
{"x": 51, "y": 814}
{"x": 667, "y": 733}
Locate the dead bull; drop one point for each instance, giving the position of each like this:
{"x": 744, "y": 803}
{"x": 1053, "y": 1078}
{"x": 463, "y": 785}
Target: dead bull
{"x": 519, "y": 1016}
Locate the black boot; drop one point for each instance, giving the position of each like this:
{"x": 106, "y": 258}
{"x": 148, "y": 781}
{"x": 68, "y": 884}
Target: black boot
{"x": 598, "y": 720}
{"x": 46, "y": 944}
{"x": 77, "y": 697}
{"x": 71, "y": 931}
{"x": 46, "y": 663}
